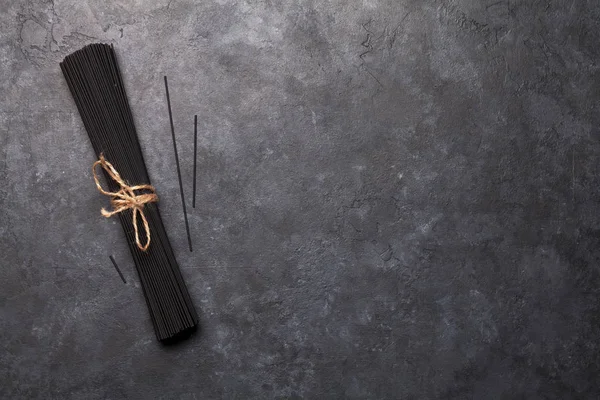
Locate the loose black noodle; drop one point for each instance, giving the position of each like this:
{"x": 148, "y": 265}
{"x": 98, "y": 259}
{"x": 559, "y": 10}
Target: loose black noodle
{"x": 195, "y": 159}
{"x": 187, "y": 226}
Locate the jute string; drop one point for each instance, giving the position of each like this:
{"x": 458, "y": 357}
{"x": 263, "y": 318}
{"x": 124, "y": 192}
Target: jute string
{"x": 126, "y": 199}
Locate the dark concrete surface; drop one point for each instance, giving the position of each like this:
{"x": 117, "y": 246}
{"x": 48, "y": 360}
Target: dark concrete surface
{"x": 397, "y": 199}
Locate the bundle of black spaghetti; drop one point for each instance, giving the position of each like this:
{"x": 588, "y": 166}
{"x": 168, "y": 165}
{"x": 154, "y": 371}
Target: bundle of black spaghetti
{"x": 94, "y": 79}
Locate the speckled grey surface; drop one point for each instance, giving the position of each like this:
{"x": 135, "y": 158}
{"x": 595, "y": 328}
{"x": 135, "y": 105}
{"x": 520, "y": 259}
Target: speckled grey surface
{"x": 397, "y": 199}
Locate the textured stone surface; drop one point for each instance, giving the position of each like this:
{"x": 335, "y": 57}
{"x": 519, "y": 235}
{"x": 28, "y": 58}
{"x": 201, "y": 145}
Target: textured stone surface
{"x": 397, "y": 199}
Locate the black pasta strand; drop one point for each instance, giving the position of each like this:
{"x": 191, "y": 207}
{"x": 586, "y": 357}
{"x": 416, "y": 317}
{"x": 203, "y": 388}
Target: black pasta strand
{"x": 195, "y": 160}
{"x": 187, "y": 227}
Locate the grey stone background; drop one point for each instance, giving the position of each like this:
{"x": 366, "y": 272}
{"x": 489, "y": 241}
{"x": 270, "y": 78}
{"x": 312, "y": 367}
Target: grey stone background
{"x": 396, "y": 199}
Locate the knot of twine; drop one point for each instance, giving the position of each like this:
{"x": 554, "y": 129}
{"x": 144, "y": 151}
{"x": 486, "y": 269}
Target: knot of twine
{"x": 126, "y": 199}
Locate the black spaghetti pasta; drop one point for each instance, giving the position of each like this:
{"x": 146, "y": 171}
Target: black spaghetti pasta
{"x": 94, "y": 79}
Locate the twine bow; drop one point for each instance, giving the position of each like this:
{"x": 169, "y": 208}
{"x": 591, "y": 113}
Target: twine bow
{"x": 126, "y": 199}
